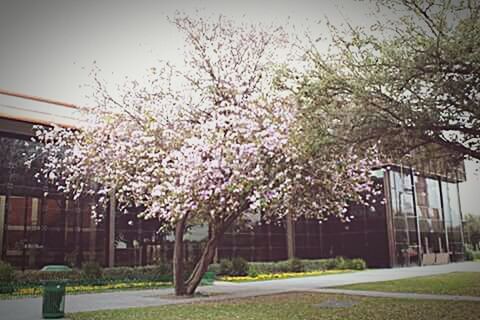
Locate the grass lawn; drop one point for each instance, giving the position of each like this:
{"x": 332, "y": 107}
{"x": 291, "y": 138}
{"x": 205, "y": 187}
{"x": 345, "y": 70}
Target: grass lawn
{"x": 456, "y": 283}
{"x": 296, "y": 306}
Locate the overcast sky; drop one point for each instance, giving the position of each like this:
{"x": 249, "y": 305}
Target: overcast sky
{"x": 47, "y": 47}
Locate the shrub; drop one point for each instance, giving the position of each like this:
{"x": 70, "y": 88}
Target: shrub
{"x": 225, "y": 267}
{"x": 259, "y": 267}
{"x": 330, "y": 264}
{"x": 160, "y": 272}
{"x": 281, "y": 266}
{"x": 469, "y": 254}
{"x": 252, "y": 272}
{"x": 153, "y": 273}
{"x": 315, "y": 265}
{"x": 162, "y": 269}
{"x": 91, "y": 270}
{"x": 7, "y": 276}
{"x": 235, "y": 267}
{"x": 37, "y": 276}
{"x": 355, "y": 264}
{"x": 476, "y": 255}
{"x": 239, "y": 267}
{"x": 295, "y": 265}
{"x": 339, "y": 263}
{"x": 7, "y": 273}
{"x": 120, "y": 273}
{"x": 308, "y": 265}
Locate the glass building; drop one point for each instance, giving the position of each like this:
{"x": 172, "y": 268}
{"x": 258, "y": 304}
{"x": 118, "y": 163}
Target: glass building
{"x": 426, "y": 219}
{"x": 417, "y": 220}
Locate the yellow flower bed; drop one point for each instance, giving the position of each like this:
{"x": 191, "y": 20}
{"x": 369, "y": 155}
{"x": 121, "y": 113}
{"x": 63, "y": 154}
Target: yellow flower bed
{"x": 35, "y": 291}
{"x": 285, "y": 275}
{"x": 115, "y": 286}
{"x": 28, "y": 291}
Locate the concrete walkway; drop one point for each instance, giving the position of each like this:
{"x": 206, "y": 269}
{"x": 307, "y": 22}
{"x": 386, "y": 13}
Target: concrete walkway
{"x": 30, "y": 308}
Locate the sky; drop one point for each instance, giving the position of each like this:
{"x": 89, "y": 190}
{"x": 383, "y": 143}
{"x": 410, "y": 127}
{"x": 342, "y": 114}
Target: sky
{"x": 49, "y": 47}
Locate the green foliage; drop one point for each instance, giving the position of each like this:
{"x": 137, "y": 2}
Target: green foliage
{"x": 225, "y": 267}
{"x": 472, "y": 230}
{"x": 252, "y": 272}
{"x": 91, "y": 270}
{"x": 162, "y": 268}
{"x": 160, "y": 272}
{"x": 405, "y": 84}
{"x": 7, "y": 276}
{"x": 295, "y": 265}
{"x": 340, "y": 263}
{"x": 469, "y": 254}
{"x": 239, "y": 267}
{"x": 256, "y": 268}
{"x": 476, "y": 255}
{"x": 7, "y": 273}
{"x": 37, "y": 276}
{"x": 154, "y": 272}
{"x": 355, "y": 264}
{"x": 235, "y": 267}
{"x": 331, "y": 264}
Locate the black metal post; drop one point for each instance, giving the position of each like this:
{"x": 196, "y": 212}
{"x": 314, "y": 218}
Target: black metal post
{"x": 419, "y": 239}
{"x": 445, "y": 227}
{"x": 25, "y": 235}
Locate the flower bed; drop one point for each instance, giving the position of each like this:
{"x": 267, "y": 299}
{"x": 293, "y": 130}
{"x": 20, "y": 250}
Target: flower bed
{"x": 116, "y": 286}
{"x": 275, "y": 276}
{"x": 86, "y": 288}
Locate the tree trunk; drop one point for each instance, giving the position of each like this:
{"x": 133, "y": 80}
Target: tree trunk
{"x": 208, "y": 253}
{"x": 202, "y": 265}
{"x": 178, "y": 257}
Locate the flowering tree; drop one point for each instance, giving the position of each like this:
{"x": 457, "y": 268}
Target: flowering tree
{"x": 213, "y": 143}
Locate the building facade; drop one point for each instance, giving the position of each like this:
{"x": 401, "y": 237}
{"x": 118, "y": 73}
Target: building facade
{"x": 417, "y": 220}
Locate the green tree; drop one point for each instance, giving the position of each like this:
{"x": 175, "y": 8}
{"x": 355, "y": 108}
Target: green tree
{"x": 411, "y": 83}
{"x": 472, "y": 229}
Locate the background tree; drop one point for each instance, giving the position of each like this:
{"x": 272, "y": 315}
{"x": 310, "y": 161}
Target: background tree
{"x": 411, "y": 83}
{"x": 214, "y": 142}
{"x": 472, "y": 230}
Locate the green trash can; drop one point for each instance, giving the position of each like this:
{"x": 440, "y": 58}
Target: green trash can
{"x": 208, "y": 278}
{"x": 53, "y": 305}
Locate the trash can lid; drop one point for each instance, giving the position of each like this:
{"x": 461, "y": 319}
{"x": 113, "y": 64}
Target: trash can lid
{"x": 56, "y": 268}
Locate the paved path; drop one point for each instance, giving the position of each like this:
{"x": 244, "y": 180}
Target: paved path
{"x": 30, "y": 308}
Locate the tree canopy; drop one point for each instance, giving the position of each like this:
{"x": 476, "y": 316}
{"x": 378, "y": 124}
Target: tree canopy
{"x": 411, "y": 83}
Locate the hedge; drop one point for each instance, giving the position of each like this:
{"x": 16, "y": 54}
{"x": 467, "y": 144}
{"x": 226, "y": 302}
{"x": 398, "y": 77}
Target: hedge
{"x": 471, "y": 254}
{"x": 163, "y": 272}
{"x": 293, "y": 265}
{"x": 76, "y": 276}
